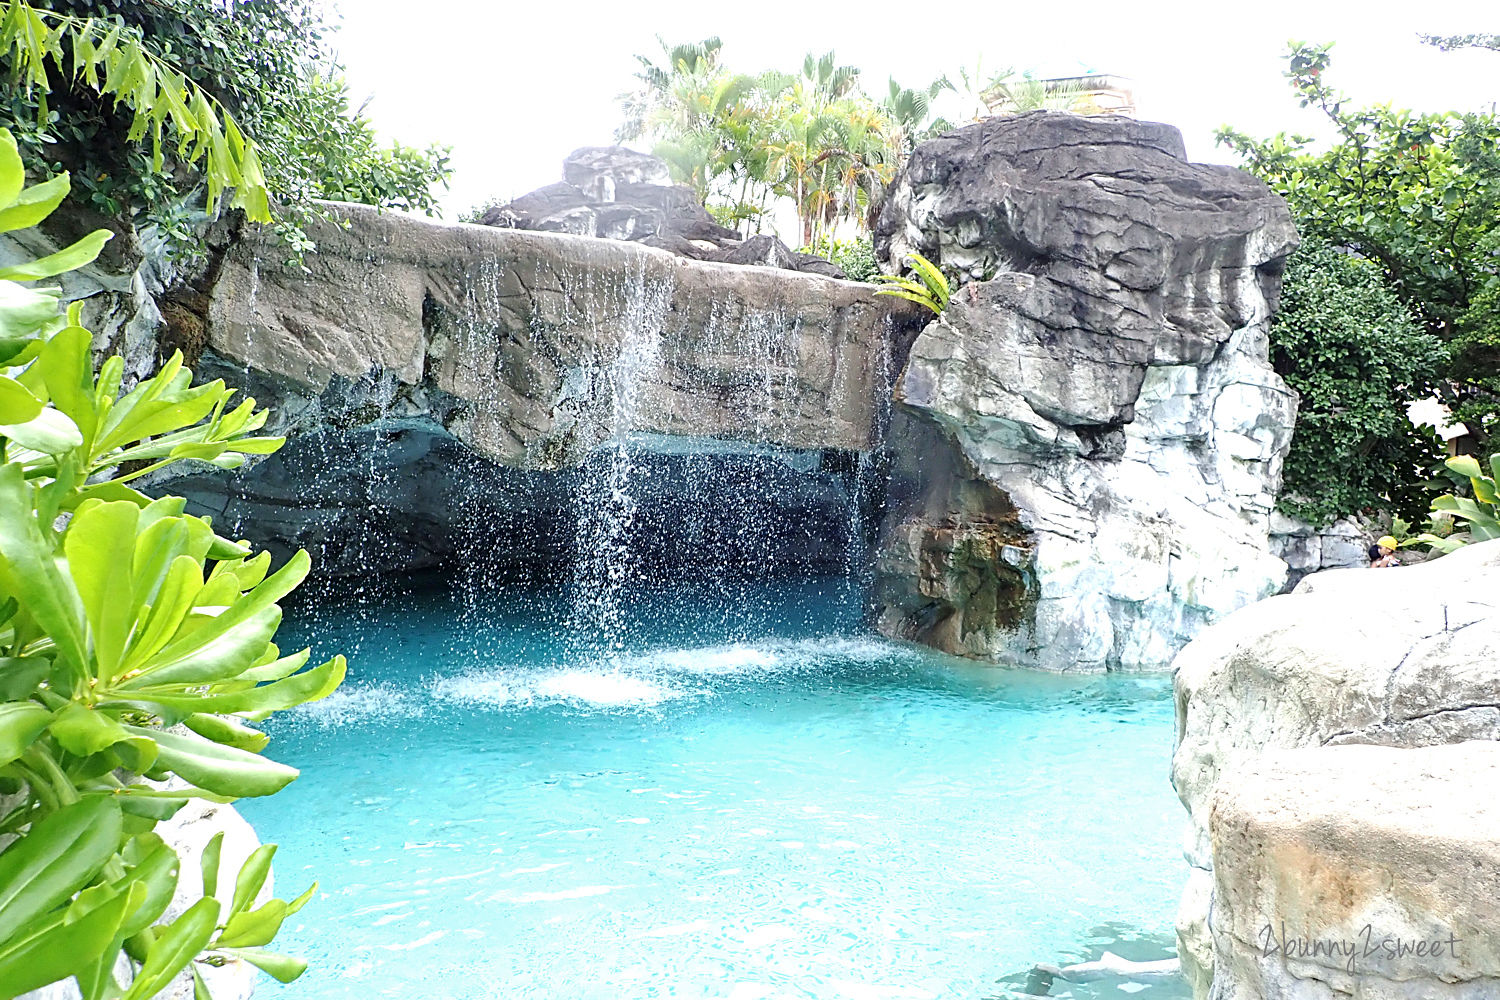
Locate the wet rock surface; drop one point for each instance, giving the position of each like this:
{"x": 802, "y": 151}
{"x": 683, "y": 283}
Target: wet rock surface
{"x": 438, "y": 377}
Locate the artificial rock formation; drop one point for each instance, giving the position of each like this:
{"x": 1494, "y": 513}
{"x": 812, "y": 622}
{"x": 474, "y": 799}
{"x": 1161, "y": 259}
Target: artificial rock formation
{"x": 616, "y": 193}
{"x": 1100, "y": 381}
{"x": 1400, "y": 657}
{"x": 435, "y": 374}
{"x": 1359, "y": 871}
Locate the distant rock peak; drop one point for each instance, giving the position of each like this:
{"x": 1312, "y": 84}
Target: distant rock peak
{"x": 618, "y": 193}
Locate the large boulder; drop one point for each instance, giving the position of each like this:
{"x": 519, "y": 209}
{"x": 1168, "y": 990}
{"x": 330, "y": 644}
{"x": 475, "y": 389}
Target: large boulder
{"x": 1359, "y": 871}
{"x": 1103, "y": 365}
{"x": 1404, "y": 657}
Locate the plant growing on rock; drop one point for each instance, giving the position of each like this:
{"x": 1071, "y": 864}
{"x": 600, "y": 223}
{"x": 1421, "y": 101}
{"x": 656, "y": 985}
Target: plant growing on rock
{"x": 135, "y": 644}
{"x": 929, "y": 288}
{"x": 856, "y": 258}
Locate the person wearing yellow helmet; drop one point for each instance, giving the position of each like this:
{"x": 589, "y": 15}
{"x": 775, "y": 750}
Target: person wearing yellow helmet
{"x": 1383, "y": 552}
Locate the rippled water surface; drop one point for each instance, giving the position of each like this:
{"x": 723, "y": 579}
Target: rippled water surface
{"x": 753, "y": 799}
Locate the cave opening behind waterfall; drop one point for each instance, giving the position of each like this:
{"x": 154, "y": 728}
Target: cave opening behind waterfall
{"x": 387, "y": 508}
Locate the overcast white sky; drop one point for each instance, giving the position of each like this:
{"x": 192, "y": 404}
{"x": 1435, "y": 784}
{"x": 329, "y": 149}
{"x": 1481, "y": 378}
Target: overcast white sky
{"x": 514, "y": 86}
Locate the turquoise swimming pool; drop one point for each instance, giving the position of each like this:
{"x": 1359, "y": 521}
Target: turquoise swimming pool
{"x": 756, "y": 798}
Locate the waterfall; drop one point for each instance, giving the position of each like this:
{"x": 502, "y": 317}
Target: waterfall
{"x": 606, "y": 500}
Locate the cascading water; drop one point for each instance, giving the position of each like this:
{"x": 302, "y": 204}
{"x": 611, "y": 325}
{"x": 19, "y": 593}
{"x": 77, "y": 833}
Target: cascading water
{"x": 607, "y": 505}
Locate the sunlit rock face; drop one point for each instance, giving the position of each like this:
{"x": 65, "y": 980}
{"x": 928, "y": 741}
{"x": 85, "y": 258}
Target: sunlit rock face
{"x": 1329, "y": 842}
{"x": 452, "y": 385}
{"x": 1103, "y": 369}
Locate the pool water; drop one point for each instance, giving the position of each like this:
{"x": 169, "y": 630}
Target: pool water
{"x": 755, "y": 798}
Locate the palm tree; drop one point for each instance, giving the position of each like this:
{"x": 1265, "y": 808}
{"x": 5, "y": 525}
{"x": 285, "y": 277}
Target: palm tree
{"x": 693, "y": 60}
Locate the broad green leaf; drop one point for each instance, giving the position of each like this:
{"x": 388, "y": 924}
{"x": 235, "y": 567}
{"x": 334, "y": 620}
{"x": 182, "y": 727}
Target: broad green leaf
{"x": 49, "y": 432}
{"x": 84, "y": 731}
{"x": 100, "y": 546}
{"x": 12, "y": 171}
{"x": 301, "y": 900}
{"x": 218, "y": 655}
{"x": 183, "y": 658}
{"x": 108, "y": 491}
{"x": 25, "y": 312}
{"x": 28, "y": 570}
{"x": 1465, "y": 465}
{"x": 67, "y": 370}
{"x": 219, "y": 769}
{"x": 58, "y": 856}
{"x": 282, "y": 968}
{"x": 34, "y": 204}
{"x": 174, "y": 948}
{"x": 19, "y": 676}
{"x": 1484, "y": 490}
{"x": 251, "y": 879}
{"x": 156, "y": 866}
{"x": 17, "y": 404}
{"x": 276, "y": 668}
{"x": 57, "y": 949}
{"x": 175, "y": 598}
{"x": 157, "y": 546}
{"x": 209, "y": 864}
{"x": 253, "y": 928}
{"x": 298, "y": 689}
{"x": 19, "y": 727}
{"x": 68, "y": 259}
{"x": 205, "y": 451}
{"x": 230, "y": 732}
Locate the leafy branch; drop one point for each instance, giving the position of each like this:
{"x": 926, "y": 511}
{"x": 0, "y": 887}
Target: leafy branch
{"x": 121, "y": 618}
{"x": 111, "y": 59}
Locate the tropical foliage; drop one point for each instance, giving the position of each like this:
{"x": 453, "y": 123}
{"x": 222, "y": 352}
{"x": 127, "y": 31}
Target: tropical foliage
{"x": 929, "y": 288}
{"x": 108, "y": 59}
{"x": 812, "y": 138}
{"x": 1477, "y": 516}
{"x": 1417, "y": 197}
{"x": 135, "y": 645}
{"x": 151, "y": 105}
{"x": 1357, "y": 357}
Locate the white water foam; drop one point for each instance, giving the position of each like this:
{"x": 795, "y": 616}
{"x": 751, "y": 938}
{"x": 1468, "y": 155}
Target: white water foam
{"x": 580, "y": 687}
{"x": 352, "y": 704}
{"x": 641, "y": 680}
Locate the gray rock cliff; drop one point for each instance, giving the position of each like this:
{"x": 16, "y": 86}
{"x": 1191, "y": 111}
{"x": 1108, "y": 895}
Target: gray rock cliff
{"x": 1103, "y": 370}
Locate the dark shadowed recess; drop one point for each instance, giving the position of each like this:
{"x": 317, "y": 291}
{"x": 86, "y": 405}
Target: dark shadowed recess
{"x": 377, "y": 501}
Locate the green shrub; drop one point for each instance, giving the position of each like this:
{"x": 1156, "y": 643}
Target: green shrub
{"x": 1356, "y": 356}
{"x": 293, "y": 135}
{"x": 135, "y": 643}
{"x": 855, "y": 257}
